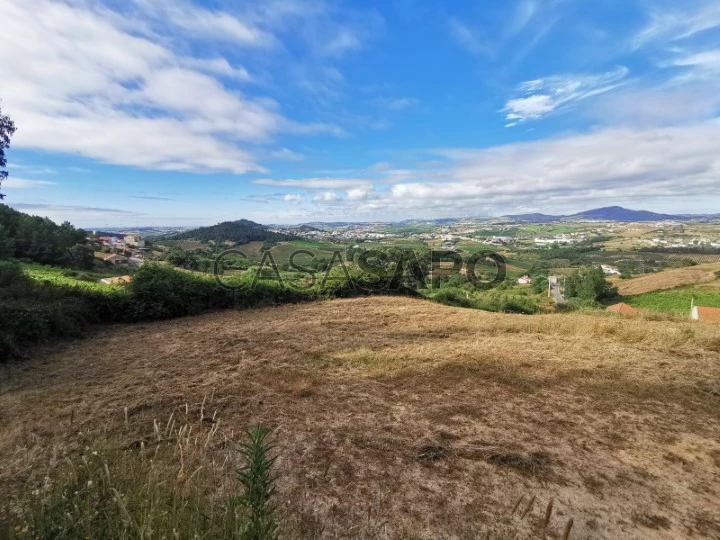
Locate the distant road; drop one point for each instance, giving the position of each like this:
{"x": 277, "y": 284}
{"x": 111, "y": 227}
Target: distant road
{"x": 555, "y": 290}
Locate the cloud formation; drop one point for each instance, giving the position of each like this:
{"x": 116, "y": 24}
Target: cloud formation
{"x": 541, "y": 97}
{"x": 608, "y": 166}
{"x": 117, "y": 87}
{"x": 23, "y": 183}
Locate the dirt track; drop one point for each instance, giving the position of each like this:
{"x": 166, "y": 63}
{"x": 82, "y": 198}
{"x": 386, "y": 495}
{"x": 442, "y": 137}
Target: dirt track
{"x": 403, "y": 418}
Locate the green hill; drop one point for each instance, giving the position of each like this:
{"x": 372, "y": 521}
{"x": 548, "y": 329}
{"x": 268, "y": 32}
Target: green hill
{"x": 241, "y": 231}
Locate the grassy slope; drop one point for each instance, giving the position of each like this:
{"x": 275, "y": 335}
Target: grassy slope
{"x": 407, "y": 417}
{"x": 668, "y": 279}
{"x": 62, "y": 277}
{"x": 676, "y": 300}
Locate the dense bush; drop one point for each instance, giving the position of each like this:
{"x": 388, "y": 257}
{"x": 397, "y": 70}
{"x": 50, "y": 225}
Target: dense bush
{"x": 158, "y": 292}
{"x": 40, "y": 308}
{"x": 589, "y": 284}
{"x": 496, "y": 300}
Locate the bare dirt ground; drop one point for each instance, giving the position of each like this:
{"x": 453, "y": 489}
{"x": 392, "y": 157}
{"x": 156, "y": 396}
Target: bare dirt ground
{"x": 668, "y": 279}
{"x": 400, "y": 418}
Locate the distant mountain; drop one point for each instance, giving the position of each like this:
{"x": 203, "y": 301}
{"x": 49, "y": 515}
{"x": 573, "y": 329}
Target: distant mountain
{"x": 609, "y": 213}
{"x": 440, "y": 221}
{"x": 618, "y": 213}
{"x": 241, "y": 232}
{"x": 535, "y": 218}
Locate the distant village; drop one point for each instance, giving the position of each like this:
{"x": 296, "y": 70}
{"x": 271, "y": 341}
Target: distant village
{"x": 129, "y": 251}
{"x": 669, "y": 234}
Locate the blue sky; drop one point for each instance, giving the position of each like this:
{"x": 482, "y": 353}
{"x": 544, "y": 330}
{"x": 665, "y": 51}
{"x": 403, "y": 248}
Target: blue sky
{"x": 180, "y": 112}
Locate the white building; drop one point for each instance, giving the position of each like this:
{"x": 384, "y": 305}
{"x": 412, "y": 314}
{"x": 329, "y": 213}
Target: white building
{"x": 609, "y": 270}
{"x": 524, "y": 280}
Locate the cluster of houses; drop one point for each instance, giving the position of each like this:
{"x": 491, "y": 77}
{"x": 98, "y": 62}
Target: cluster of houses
{"x": 681, "y": 243}
{"x": 127, "y": 251}
{"x": 561, "y": 239}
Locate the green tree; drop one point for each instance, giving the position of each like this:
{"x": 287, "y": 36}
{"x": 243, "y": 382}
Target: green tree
{"x": 589, "y": 284}
{"x": 7, "y": 129}
{"x": 183, "y": 259}
{"x": 39, "y": 239}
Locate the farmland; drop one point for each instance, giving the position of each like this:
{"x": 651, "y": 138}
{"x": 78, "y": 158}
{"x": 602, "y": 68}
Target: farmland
{"x": 401, "y": 418}
{"x": 691, "y": 275}
{"x": 676, "y": 300}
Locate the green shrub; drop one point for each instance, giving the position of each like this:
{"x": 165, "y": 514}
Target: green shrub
{"x": 160, "y": 292}
{"x": 10, "y": 273}
{"x": 257, "y": 478}
{"x": 453, "y": 297}
{"x": 168, "y": 491}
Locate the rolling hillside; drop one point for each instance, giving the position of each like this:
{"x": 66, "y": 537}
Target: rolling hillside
{"x": 610, "y": 213}
{"x": 668, "y": 279}
{"x": 399, "y": 418}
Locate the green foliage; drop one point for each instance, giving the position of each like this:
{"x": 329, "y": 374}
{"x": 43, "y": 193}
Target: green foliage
{"x": 259, "y": 483}
{"x": 589, "y": 284}
{"x": 454, "y": 297}
{"x": 7, "y": 129}
{"x": 41, "y": 240}
{"x": 495, "y": 300}
{"x": 539, "y": 284}
{"x": 182, "y": 258}
{"x": 38, "y": 303}
{"x": 240, "y": 232}
{"x": 675, "y": 301}
{"x": 130, "y": 496}
{"x": 161, "y": 292}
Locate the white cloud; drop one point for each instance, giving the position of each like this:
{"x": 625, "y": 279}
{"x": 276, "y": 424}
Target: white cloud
{"x": 205, "y": 23}
{"x": 77, "y": 79}
{"x": 218, "y": 66}
{"x": 544, "y": 96}
{"x": 619, "y": 163}
{"x": 358, "y": 194}
{"x": 706, "y": 60}
{"x": 293, "y": 199}
{"x": 641, "y": 168}
{"x": 326, "y": 196}
{"x": 529, "y": 108}
{"x": 23, "y": 183}
{"x": 285, "y": 154}
{"x": 79, "y": 214}
{"x": 673, "y": 24}
{"x": 666, "y": 105}
{"x": 315, "y": 183}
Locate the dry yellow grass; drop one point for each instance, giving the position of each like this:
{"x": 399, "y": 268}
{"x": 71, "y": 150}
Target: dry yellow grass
{"x": 399, "y": 418}
{"x": 691, "y": 275}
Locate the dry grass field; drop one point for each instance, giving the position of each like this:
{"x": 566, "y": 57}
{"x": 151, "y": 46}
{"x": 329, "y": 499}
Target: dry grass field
{"x": 690, "y": 275}
{"x": 400, "y": 418}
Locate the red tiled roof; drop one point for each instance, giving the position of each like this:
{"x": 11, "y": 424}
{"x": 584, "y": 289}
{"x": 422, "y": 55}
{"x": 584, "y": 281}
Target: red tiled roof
{"x": 622, "y": 307}
{"x": 708, "y": 313}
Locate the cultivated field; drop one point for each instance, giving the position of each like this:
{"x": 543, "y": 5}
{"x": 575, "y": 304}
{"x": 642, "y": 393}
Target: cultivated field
{"x": 668, "y": 279}
{"x": 400, "y": 418}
